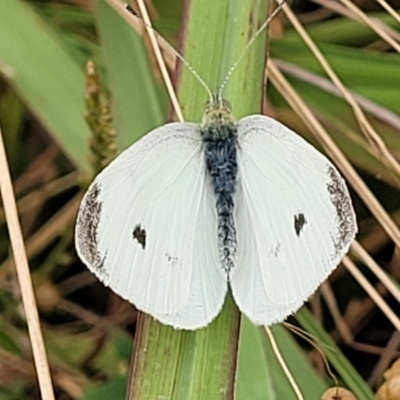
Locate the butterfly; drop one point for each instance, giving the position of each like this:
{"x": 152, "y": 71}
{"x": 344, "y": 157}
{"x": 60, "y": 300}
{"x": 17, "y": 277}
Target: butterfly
{"x": 191, "y": 210}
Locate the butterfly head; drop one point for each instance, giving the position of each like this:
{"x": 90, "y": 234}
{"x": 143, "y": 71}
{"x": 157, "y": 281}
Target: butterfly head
{"x": 218, "y": 112}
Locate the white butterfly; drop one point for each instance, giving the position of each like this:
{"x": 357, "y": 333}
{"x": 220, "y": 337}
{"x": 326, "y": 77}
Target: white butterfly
{"x": 190, "y": 210}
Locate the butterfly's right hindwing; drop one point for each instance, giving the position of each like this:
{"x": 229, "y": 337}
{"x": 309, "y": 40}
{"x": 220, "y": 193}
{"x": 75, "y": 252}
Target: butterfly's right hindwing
{"x": 147, "y": 228}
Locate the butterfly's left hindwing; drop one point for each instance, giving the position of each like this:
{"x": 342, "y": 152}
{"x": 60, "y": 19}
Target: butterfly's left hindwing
{"x": 294, "y": 220}
{"x": 147, "y": 228}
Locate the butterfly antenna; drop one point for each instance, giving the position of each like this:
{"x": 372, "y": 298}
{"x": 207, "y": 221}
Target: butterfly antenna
{"x": 170, "y": 48}
{"x": 245, "y": 50}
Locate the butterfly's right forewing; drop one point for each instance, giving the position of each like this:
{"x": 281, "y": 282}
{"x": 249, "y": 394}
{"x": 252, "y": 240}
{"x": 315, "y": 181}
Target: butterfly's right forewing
{"x": 147, "y": 228}
{"x": 294, "y": 220}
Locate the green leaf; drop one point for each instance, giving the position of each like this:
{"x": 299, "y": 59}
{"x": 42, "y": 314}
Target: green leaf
{"x": 346, "y": 371}
{"x": 138, "y": 103}
{"x": 113, "y": 389}
{"x": 356, "y": 75}
{"x": 261, "y": 377}
{"x": 201, "y": 364}
{"x": 38, "y": 67}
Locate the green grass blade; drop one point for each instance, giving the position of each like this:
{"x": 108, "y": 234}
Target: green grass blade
{"x": 138, "y": 103}
{"x": 201, "y": 364}
{"x": 45, "y": 76}
{"x": 186, "y": 365}
{"x": 357, "y": 76}
{"x": 344, "y": 369}
{"x": 261, "y": 377}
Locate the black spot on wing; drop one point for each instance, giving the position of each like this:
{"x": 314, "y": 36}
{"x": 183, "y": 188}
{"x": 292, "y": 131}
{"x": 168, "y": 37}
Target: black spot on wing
{"x": 139, "y": 234}
{"x": 299, "y": 222}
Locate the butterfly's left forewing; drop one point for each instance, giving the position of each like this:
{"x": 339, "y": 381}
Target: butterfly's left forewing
{"x": 147, "y": 228}
{"x": 294, "y": 220}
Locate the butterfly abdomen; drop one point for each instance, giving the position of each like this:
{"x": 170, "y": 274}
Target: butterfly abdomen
{"x": 221, "y": 163}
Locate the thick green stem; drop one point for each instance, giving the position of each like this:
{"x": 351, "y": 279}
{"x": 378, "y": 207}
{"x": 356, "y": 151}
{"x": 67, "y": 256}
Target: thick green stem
{"x": 173, "y": 364}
